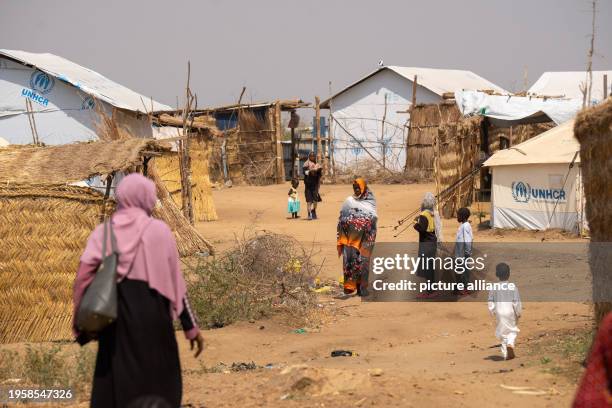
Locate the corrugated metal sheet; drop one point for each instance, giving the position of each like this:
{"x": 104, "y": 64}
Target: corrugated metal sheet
{"x": 86, "y": 80}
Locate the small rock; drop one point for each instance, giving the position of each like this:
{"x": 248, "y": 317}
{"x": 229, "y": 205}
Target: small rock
{"x": 376, "y": 372}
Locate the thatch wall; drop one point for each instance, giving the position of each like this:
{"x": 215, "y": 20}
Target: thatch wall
{"x": 169, "y": 172}
{"x": 423, "y": 130}
{"x": 593, "y": 129}
{"x": 43, "y": 231}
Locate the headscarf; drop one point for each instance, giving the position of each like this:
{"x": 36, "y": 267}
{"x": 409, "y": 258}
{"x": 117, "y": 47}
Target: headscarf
{"x": 146, "y": 246}
{"x": 311, "y": 164}
{"x": 358, "y": 219}
{"x": 429, "y": 204}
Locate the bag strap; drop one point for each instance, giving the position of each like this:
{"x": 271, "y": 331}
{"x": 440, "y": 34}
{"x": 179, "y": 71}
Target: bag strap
{"x": 112, "y": 236}
{"x": 104, "y": 241}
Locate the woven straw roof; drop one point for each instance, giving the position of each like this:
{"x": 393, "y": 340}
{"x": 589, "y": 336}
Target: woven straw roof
{"x": 73, "y": 162}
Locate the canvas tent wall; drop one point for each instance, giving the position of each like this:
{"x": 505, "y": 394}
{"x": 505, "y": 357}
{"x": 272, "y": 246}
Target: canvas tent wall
{"x": 369, "y": 117}
{"x": 568, "y": 85}
{"x": 48, "y": 207}
{"x": 66, "y": 101}
{"x": 537, "y": 184}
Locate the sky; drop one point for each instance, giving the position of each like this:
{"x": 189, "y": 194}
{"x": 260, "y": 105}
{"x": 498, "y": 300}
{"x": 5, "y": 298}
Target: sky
{"x": 286, "y": 49}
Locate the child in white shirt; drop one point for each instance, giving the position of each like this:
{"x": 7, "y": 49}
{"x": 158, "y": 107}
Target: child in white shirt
{"x": 506, "y": 306}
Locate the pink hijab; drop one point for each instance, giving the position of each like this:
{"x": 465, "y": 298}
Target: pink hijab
{"x": 146, "y": 246}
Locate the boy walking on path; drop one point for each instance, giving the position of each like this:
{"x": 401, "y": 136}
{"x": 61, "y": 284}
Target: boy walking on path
{"x": 506, "y": 306}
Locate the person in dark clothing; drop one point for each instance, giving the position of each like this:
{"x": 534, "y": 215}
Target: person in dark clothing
{"x": 312, "y": 180}
{"x": 138, "y": 354}
{"x": 428, "y": 225}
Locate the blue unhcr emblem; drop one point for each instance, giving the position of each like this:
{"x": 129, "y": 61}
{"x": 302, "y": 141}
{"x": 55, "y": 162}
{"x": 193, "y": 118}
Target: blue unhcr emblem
{"x": 41, "y": 82}
{"x": 521, "y": 191}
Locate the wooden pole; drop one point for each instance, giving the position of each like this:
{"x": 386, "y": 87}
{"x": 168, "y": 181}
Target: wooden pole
{"x": 184, "y": 157}
{"x": 382, "y": 136}
{"x": 412, "y": 104}
{"x": 605, "y": 91}
{"x": 330, "y": 136}
{"x": 318, "y": 128}
{"x": 280, "y": 168}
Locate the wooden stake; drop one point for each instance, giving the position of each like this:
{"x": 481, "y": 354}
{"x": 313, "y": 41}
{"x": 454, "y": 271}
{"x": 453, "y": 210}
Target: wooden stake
{"x": 318, "y": 128}
{"x": 412, "y": 104}
{"x": 280, "y": 168}
{"x": 185, "y": 158}
{"x": 605, "y": 90}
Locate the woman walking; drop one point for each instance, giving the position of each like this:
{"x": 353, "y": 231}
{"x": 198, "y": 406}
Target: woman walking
{"x": 429, "y": 227}
{"x": 356, "y": 237}
{"x": 137, "y": 354}
{"x": 312, "y": 180}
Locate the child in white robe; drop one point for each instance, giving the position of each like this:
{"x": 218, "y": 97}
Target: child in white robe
{"x": 506, "y": 306}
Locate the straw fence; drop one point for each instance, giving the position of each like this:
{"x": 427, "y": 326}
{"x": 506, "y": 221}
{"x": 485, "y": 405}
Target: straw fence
{"x": 169, "y": 172}
{"x": 593, "y": 129}
{"x": 44, "y": 227}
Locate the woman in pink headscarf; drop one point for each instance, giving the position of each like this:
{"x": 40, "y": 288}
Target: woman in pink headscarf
{"x": 138, "y": 354}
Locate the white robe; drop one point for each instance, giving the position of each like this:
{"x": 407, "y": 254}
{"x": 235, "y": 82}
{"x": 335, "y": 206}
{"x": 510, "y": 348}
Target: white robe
{"x": 506, "y": 306}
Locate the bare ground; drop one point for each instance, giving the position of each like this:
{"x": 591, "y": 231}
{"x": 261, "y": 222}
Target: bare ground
{"x": 409, "y": 354}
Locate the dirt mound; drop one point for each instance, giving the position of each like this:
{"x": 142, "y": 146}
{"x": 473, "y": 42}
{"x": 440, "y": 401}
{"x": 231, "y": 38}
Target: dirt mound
{"x": 303, "y": 381}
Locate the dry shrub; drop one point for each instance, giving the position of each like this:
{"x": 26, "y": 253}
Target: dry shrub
{"x": 374, "y": 173}
{"x": 263, "y": 273}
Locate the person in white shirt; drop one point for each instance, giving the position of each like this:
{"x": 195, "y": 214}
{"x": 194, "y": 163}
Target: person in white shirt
{"x": 506, "y": 306}
{"x": 463, "y": 247}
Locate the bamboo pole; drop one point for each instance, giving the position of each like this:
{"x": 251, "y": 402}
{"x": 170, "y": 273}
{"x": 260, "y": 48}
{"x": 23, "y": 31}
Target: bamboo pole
{"x": 280, "y": 168}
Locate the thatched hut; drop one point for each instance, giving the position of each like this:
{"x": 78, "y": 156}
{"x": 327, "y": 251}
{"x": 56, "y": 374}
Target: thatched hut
{"x": 51, "y": 198}
{"x": 593, "y": 129}
{"x": 447, "y": 147}
{"x": 250, "y": 149}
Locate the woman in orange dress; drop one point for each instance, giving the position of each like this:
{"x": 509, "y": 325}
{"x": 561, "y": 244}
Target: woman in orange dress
{"x": 356, "y": 237}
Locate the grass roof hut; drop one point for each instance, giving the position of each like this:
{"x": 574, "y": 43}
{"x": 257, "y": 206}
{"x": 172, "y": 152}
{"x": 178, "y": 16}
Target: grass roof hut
{"x": 593, "y": 129}
{"x": 49, "y": 204}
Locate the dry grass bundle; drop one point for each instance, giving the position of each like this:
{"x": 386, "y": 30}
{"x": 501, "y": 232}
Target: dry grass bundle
{"x": 189, "y": 241}
{"x": 593, "y": 129}
{"x": 169, "y": 172}
{"x": 73, "y": 162}
{"x": 262, "y": 274}
{"x": 424, "y": 123}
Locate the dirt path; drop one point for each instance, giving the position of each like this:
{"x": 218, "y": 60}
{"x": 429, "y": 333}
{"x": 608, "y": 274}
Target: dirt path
{"x": 410, "y": 354}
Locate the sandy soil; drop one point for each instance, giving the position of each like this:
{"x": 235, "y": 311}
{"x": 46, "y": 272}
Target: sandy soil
{"x": 410, "y": 354}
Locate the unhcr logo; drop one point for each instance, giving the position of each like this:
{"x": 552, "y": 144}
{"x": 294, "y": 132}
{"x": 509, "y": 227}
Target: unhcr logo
{"x": 523, "y": 192}
{"x": 41, "y": 82}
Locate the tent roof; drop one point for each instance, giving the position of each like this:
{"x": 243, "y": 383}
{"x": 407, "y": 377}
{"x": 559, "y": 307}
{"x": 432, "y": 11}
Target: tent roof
{"x": 59, "y": 165}
{"x": 438, "y": 81}
{"x": 86, "y": 80}
{"x": 557, "y": 145}
{"x": 568, "y": 83}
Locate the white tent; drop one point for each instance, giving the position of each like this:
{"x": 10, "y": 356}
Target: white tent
{"x": 567, "y": 84}
{"x": 65, "y": 101}
{"x": 537, "y": 184}
{"x": 369, "y": 116}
